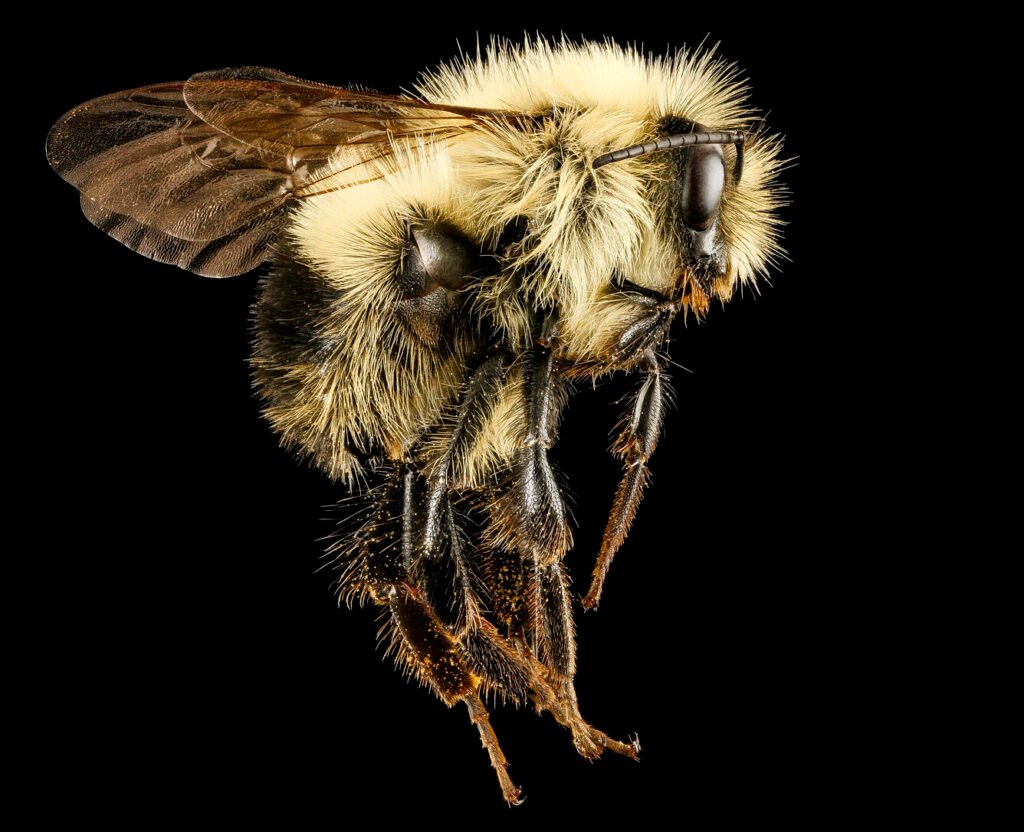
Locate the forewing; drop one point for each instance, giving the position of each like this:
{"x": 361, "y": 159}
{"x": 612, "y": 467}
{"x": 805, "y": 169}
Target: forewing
{"x": 201, "y": 173}
{"x": 169, "y": 186}
{"x": 289, "y": 117}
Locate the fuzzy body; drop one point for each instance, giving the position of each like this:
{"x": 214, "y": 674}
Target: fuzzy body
{"x": 365, "y": 386}
{"x": 445, "y": 268}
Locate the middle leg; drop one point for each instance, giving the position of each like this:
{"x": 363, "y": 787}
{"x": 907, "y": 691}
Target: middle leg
{"x": 531, "y": 520}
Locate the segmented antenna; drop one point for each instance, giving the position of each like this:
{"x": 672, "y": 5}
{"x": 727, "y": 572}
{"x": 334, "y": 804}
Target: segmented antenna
{"x": 679, "y": 140}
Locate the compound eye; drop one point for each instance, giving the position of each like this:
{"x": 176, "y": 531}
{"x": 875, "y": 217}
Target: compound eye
{"x": 702, "y": 185}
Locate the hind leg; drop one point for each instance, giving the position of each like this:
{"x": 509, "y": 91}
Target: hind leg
{"x": 437, "y": 659}
{"x": 422, "y": 644}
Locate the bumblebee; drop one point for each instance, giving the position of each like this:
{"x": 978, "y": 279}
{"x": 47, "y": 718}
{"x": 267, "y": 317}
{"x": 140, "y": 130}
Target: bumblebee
{"x": 445, "y": 267}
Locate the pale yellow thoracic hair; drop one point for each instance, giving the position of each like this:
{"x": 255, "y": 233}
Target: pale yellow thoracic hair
{"x": 379, "y": 390}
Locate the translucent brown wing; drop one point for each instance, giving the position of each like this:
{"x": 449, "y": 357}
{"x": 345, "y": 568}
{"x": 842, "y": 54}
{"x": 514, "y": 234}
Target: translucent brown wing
{"x": 201, "y": 173}
{"x": 277, "y": 113}
{"x": 236, "y": 253}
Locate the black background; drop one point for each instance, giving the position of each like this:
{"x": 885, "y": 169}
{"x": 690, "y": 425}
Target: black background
{"x": 195, "y": 646}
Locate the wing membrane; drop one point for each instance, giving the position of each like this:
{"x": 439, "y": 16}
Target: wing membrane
{"x": 233, "y": 254}
{"x": 201, "y": 173}
{"x": 269, "y": 110}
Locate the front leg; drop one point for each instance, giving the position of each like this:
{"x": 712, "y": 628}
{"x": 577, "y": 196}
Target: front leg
{"x": 620, "y": 328}
{"x": 635, "y": 346}
{"x": 635, "y": 444}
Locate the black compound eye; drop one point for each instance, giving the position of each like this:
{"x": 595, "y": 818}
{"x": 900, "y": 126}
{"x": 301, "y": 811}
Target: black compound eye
{"x": 702, "y": 183}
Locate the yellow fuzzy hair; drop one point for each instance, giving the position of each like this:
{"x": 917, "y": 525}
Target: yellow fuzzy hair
{"x": 379, "y": 387}
{"x": 382, "y": 389}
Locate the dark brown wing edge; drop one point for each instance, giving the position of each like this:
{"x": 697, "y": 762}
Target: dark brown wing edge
{"x": 168, "y": 186}
{"x": 241, "y": 251}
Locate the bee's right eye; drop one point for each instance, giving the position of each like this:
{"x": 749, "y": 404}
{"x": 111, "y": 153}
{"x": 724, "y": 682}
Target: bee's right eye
{"x": 437, "y": 256}
{"x": 702, "y": 185}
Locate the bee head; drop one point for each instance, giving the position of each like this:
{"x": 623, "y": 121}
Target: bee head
{"x": 696, "y": 181}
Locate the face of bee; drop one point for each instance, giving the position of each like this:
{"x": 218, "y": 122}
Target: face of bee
{"x": 710, "y": 214}
{"x": 696, "y": 182}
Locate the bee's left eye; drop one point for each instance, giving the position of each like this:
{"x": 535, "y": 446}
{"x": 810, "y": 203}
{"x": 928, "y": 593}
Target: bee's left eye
{"x": 703, "y": 181}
